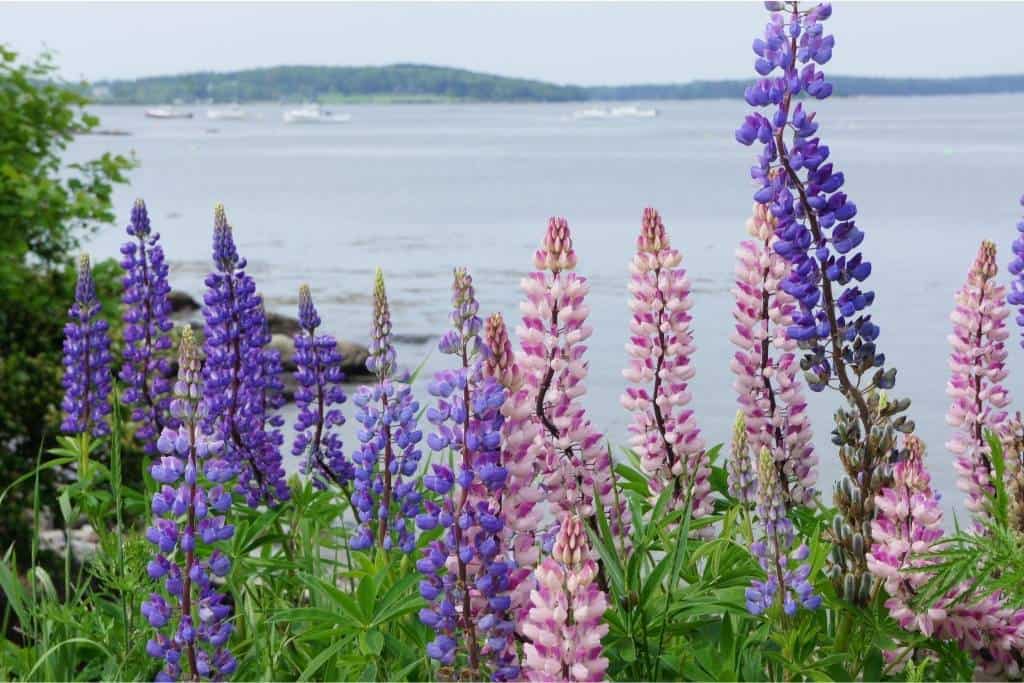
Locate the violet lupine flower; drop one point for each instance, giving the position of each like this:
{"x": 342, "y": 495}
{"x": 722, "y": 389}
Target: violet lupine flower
{"x": 766, "y": 365}
{"x": 467, "y": 569}
{"x": 978, "y": 364}
{"x": 189, "y": 529}
{"x": 814, "y": 219}
{"x": 569, "y": 450}
{"x": 664, "y": 432}
{"x": 146, "y": 370}
{"x": 564, "y": 625}
{"x": 86, "y": 379}
{"x": 1016, "y": 295}
{"x": 385, "y": 495}
{"x": 239, "y": 374}
{"x": 740, "y": 471}
{"x": 908, "y": 526}
{"x": 786, "y": 570}
{"x": 521, "y": 497}
{"x": 319, "y": 397}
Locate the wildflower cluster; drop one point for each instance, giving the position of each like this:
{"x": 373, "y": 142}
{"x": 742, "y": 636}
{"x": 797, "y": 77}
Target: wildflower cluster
{"x": 87, "y": 381}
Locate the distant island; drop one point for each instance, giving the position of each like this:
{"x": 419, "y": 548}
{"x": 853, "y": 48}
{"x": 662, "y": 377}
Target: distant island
{"x": 423, "y": 83}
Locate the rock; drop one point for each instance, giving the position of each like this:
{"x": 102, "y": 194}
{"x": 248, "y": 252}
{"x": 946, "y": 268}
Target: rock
{"x": 353, "y": 359}
{"x": 353, "y": 355}
{"x": 283, "y": 324}
{"x": 84, "y": 542}
{"x": 182, "y": 302}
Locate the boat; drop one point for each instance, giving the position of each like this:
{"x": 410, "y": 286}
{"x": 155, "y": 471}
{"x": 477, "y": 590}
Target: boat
{"x": 629, "y": 111}
{"x": 314, "y": 113}
{"x": 167, "y": 113}
{"x": 232, "y": 113}
{"x": 591, "y": 113}
{"x": 633, "y": 111}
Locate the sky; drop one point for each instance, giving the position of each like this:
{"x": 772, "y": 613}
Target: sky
{"x": 579, "y": 43}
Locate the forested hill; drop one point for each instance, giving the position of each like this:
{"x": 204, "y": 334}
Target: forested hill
{"x": 414, "y": 82}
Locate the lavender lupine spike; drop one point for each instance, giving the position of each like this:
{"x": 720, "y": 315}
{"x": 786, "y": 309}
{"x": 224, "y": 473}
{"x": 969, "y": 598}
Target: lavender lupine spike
{"x": 146, "y": 370}
{"x": 741, "y": 478}
{"x": 189, "y": 529}
{"x": 816, "y": 233}
{"x": 385, "y": 495}
{"x": 766, "y": 365}
{"x": 908, "y": 526}
{"x": 319, "y": 397}
{"x": 786, "y": 570}
{"x": 1016, "y": 294}
{"x": 86, "y": 381}
{"x": 467, "y": 569}
{"x": 568, "y": 448}
{"x": 522, "y": 497}
{"x": 564, "y": 625}
{"x": 978, "y": 364}
{"x": 240, "y": 374}
{"x": 664, "y": 432}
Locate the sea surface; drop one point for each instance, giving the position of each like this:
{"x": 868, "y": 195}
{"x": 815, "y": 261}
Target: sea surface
{"x": 418, "y": 190}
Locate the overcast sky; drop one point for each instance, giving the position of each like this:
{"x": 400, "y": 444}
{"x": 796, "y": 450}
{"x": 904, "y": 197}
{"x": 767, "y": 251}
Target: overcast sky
{"x": 582, "y": 43}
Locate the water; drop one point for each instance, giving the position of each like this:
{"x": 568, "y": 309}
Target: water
{"x": 418, "y": 190}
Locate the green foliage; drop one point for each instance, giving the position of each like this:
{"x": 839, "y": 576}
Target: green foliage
{"x": 46, "y": 206}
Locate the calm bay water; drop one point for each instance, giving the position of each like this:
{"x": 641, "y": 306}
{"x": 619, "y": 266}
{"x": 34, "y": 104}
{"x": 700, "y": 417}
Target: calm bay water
{"x": 418, "y": 190}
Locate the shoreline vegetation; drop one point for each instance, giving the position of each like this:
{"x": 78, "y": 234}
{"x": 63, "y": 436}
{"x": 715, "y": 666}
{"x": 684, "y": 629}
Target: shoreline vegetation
{"x": 425, "y": 84}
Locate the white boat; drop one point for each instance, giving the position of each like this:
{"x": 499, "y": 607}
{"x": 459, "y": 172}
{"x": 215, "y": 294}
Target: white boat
{"x": 629, "y": 111}
{"x": 232, "y": 113}
{"x": 633, "y": 111}
{"x": 167, "y": 113}
{"x": 314, "y": 113}
{"x": 591, "y": 113}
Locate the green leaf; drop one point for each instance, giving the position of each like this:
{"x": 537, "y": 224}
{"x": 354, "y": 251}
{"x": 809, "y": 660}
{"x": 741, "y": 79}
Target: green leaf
{"x": 371, "y": 642}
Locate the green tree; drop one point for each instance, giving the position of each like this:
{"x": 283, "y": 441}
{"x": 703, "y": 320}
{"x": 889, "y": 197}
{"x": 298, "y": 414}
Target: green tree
{"x": 46, "y": 206}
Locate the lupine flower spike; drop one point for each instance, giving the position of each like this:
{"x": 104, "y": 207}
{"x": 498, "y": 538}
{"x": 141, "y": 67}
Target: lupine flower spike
{"x": 521, "y": 497}
{"x": 767, "y": 369}
{"x": 908, "y": 526}
{"x": 572, "y": 457}
{"x": 385, "y": 495}
{"x": 816, "y": 233}
{"x": 86, "y": 380}
{"x": 146, "y": 371}
{"x": 189, "y": 530}
{"x": 319, "y": 397}
{"x": 786, "y": 570}
{"x": 741, "y": 477}
{"x": 664, "y": 431}
{"x": 467, "y": 569}
{"x": 236, "y": 378}
{"x": 564, "y": 625}
{"x": 1016, "y": 295}
{"x": 978, "y": 364}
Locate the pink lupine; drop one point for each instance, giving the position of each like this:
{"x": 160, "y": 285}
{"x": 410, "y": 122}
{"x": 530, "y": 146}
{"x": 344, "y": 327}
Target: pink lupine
{"x": 766, "y": 364}
{"x": 564, "y": 624}
{"x": 569, "y": 451}
{"x": 908, "y": 525}
{"x": 664, "y": 432}
{"x": 978, "y": 364}
{"x": 908, "y": 522}
{"x": 520, "y": 503}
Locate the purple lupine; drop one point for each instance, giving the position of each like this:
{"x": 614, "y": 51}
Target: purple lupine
{"x": 468, "y": 568}
{"x": 237, "y": 385}
{"x": 1016, "y": 268}
{"x": 740, "y": 477}
{"x": 86, "y": 379}
{"x": 814, "y": 221}
{"x": 319, "y": 397}
{"x": 146, "y": 371}
{"x": 786, "y": 572}
{"x": 385, "y": 496}
{"x": 189, "y": 529}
